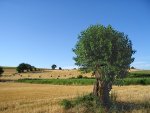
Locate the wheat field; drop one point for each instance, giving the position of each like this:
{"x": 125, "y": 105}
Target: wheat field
{"x": 35, "y": 98}
{"x": 11, "y": 74}
{"x": 42, "y": 98}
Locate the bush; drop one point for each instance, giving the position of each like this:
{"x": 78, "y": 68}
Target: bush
{"x": 66, "y": 104}
{"x": 79, "y": 76}
{"x": 1, "y": 71}
{"x": 84, "y": 104}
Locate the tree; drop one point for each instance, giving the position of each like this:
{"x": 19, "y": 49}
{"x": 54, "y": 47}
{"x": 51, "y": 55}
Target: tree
{"x": 23, "y": 66}
{"x": 54, "y": 66}
{"x": 107, "y": 53}
{"x": 132, "y": 67}
{"x": 1, "y": 71}
{"x": 60, "y": 68}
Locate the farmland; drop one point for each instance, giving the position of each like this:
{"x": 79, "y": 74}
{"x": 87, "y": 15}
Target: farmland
{"x": 11, "y": 74}
{"x": 37, "y": 98}
{"x": 50, "y": 87}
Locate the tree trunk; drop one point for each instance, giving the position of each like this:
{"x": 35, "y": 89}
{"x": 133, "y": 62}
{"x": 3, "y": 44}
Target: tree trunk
{"x": 101, "y": 90}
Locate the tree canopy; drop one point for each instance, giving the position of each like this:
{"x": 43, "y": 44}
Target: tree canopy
{"x": 104, "y": 48}
{"x": 25, "y": 67}
{"x": 54, "y": 66}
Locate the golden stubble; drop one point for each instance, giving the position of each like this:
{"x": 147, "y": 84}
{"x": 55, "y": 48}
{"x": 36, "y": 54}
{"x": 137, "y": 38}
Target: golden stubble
{"x": 42, "y": 98}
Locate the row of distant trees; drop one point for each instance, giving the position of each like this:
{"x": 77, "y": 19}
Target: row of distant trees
{"x": 24, "y": 67}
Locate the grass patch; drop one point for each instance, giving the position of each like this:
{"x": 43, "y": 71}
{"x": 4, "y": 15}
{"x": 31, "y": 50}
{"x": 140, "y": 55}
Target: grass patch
{"x": 139, "y": 74}
{"x": 59, "y": 81}
{"x": 132, "y": 81}
{"x": 85, "y": 81}
{"x": 90, "y": 104}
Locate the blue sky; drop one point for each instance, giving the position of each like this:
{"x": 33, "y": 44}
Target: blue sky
{"x": 43, "y": 32}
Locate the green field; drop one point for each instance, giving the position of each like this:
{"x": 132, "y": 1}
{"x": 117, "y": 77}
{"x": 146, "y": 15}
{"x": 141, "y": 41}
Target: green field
{"x": 59, "y": 81}
{"x": 139, "y": 74}
{"x": 84, "y": 81}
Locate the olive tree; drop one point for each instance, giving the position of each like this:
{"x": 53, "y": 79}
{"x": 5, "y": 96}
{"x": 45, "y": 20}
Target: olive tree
{"x": 107, "y": 53}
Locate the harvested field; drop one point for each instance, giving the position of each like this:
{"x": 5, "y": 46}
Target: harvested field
{"x": 35, "y": 98}
{"x": 42, "y": 98}
{"x": 45, "y": 74}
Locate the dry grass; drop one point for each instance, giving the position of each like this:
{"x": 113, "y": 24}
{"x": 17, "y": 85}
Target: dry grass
{"x": 9, "y": 71}
{"x": 11, "y": 74}
{"x": 45, "y": 74}
{"x": 37, "y": 98}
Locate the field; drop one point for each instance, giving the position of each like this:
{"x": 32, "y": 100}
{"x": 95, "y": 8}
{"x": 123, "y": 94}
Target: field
{"x": 42, "y": 98}
{"x": 11, "y": 74}
{"x": 35, "y": 98}
{"x": 50, "y": 87}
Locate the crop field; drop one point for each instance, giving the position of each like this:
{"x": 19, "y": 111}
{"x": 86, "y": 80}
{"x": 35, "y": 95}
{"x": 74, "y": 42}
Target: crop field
{"x": 42, "y": 92}
{"x": 11, "y": 74}
{"x": 42, "y": 98}
{"x": 35, "y": 98}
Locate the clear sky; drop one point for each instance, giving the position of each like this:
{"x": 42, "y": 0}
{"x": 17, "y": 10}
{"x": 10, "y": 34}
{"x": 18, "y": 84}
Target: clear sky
{"x": 43, "y": 32}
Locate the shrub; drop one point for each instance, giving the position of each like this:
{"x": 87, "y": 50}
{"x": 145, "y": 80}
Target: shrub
{"x": 1, "y": 71}
{"x": 66, "y": 104}
{"x": 79, "y": 76}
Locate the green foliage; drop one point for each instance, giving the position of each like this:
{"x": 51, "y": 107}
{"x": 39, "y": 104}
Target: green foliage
{"x": 66, "y": 104}
{"x": 105, "y": 49}
{"x": 91, "y": 104}
{"x": 53, "y": 66}
{"x": 132, "y": 81}
{"x": 86, "y": 104}
{"x": 79, "y": 76}
{"x": 132, "y": 67}
{"x": 138, "y": 75}
{"x": 85, "y": 81}
{"x": 1, "y": 71}
{"x": 25, "y": 67}
{"x": 59, "y": 81}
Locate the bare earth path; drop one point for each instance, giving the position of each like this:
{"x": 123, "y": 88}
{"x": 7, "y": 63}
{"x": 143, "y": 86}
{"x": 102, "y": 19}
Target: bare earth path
{"x": 42, "y": 98}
